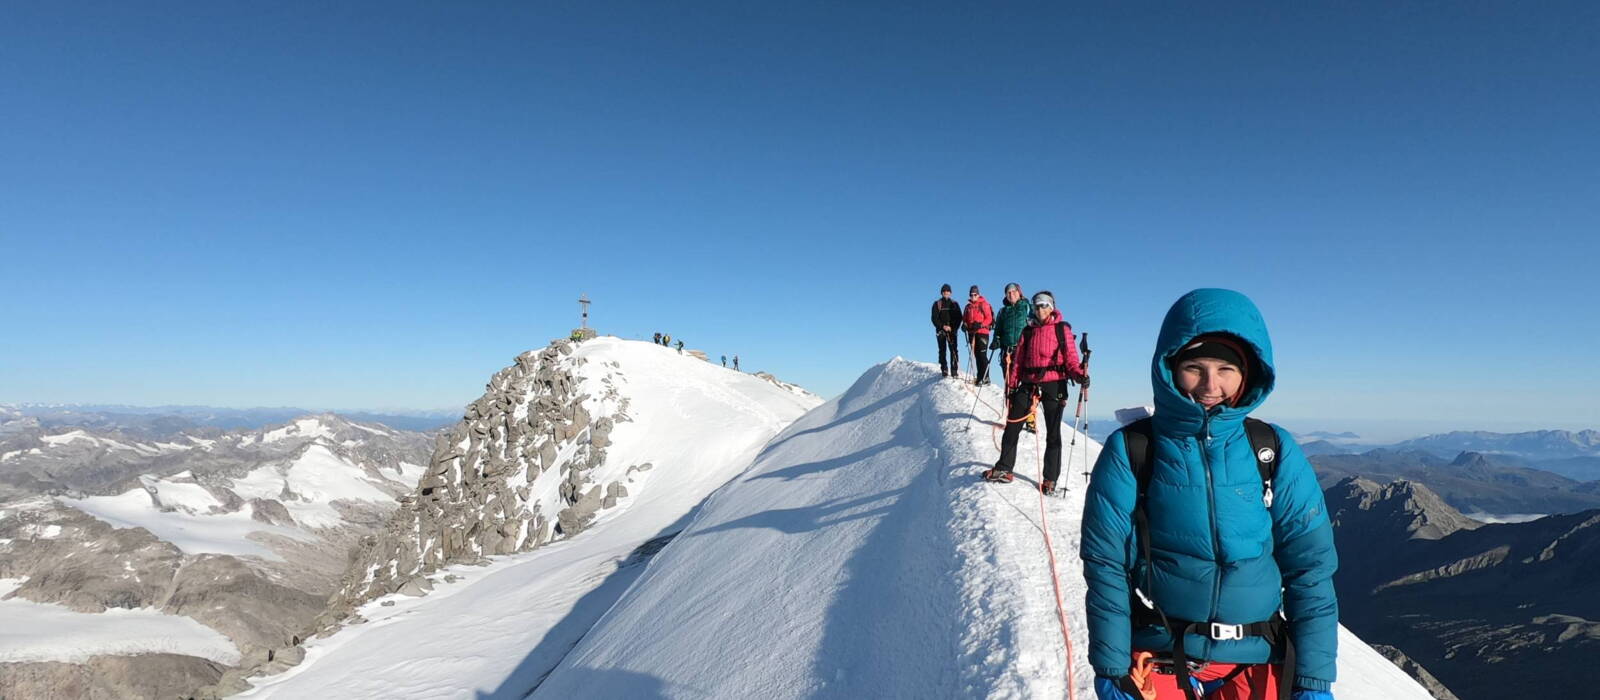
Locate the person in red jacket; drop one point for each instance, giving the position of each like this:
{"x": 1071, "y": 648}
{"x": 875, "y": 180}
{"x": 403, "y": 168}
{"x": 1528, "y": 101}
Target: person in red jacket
{"x": 979, "y": 321}
{"x": 1046, "y": 358}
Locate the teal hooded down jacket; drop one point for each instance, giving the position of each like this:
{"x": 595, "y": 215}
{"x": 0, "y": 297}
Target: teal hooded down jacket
{"x": 1220, "y": 554}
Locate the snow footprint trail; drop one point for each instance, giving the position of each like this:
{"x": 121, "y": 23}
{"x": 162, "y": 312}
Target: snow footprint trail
{"x": 1020, "y": 651}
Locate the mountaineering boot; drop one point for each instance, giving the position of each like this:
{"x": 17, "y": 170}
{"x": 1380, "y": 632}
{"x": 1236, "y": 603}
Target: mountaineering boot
{"x": 1047, "y": 487}
{"x": 1003, "y": 476}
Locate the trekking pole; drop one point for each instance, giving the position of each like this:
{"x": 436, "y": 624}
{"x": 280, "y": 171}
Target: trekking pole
{"x": 972, "y": 413}
{"x": 1083, "y": 402}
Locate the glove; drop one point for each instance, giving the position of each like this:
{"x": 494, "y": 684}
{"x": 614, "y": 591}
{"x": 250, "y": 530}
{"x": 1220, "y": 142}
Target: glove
{"x": 1303, "y": 694}
{"x": 1084, "y": 381}
{"x": 1108, "y": 688}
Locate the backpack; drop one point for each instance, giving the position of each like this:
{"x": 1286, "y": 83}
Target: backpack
{"x": 1264, "y": 442}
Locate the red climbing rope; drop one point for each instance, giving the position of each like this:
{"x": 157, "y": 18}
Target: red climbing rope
{"x": 1055, "y": 578}
{"x": 1044, "y": 527}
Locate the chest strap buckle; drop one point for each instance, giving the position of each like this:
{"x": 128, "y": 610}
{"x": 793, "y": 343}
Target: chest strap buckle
{"x": 1221, "y": 632}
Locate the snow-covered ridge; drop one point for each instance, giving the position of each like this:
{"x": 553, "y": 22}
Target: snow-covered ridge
{"x": 862, "y": 551}
{"x": 529, "y": 474}
{"x": 561, "y": 436}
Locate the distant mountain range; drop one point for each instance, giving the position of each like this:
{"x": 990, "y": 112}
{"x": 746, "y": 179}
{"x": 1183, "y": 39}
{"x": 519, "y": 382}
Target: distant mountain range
{"x": 160, "y": 561}
{"x": 1484, "y": 607}
{"x": 163, "y": 421}
{"x": 1536, "y": 445}
{"x": 1470, "y": 481}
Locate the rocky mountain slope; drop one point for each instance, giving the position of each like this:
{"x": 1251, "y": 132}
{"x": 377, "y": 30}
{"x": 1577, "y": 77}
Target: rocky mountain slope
{"x": 576, "y": 465}
{"x": 1483, "y": 607}
{"x": 182, "y": 557}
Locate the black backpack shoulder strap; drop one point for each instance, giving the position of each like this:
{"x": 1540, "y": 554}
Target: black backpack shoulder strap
{"x": 1061, "y": 343}
{"x": 1264, "y": 443}
{"x": 1136, "y": 440}
{"x": 1136, "y": 437}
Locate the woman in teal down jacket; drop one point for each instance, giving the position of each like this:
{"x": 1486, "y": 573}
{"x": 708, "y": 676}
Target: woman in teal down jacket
{"x": 1226, "y": 554}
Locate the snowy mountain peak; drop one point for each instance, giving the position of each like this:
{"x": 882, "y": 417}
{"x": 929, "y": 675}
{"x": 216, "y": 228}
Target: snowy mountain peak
{"x": 560, "y": 439}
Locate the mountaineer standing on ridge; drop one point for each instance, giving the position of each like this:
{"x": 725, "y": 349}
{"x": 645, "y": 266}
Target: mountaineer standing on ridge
{"x": 978, "y": 320}
{"x": 1234, "y": 510}
{"x": 946, "y": 321}
{"x": 1045, "y": 360}
{"x": 1008, "y": 330}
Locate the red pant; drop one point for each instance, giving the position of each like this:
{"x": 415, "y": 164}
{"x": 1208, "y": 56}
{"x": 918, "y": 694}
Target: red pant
{"x": 1257, "y": 682}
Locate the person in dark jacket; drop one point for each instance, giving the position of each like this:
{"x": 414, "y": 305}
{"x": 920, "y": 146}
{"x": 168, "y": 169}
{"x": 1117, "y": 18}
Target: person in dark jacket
{"x": 946, "y": 323}
{"x": 1233, "y": 550}
{"x": 1046, "y": 359}
{"x": 978, "y": 319}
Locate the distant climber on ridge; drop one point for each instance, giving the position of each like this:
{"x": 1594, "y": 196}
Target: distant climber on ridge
{"x": 946, "y": 320}
{"x": 1233, "y": 509}
{"x": 1046, "y": 359}
{"x": 680, "y": 347}
{"x": 978, "y": 320}
{"x": 735, "y": 363}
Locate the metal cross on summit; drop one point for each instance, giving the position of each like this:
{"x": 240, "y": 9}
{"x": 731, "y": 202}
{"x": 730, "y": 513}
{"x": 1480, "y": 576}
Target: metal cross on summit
{"x": 583, "y": 299}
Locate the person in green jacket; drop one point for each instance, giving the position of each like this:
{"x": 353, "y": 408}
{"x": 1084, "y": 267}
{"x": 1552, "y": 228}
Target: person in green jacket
{"x": 1009, "y": 323}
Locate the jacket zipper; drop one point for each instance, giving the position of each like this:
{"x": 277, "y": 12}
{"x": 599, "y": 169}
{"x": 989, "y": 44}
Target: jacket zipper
{"x": 1216, "y": 537}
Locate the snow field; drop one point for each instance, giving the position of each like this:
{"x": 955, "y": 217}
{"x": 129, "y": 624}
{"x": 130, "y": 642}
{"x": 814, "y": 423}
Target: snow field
{"x": 42, "y": 632}
{"x": 307, "y": 487}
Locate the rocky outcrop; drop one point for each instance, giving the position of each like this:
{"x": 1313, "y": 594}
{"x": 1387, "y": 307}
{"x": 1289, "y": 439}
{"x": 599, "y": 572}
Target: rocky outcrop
{"x": 514, "y": 474}
{"x": 1403, "y": 506}
{"x": 151, "y": 676}
{"x": 1415, "y": 670}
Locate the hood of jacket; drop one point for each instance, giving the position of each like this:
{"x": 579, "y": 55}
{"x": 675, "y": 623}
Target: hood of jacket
{"x": 1197, "y": 313}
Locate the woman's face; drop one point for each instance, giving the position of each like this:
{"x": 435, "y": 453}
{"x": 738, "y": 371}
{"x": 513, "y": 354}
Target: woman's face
{"x": 1207, "y": 380}
{"x": 1042, "y": 311}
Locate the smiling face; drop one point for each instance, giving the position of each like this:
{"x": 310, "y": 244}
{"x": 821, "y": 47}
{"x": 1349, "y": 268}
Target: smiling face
{"x": 1042, "y": 312}
{"x": 1207, "y": 380}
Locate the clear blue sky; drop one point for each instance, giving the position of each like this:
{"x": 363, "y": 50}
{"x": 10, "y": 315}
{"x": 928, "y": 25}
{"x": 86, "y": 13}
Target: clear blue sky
{"x": 380, "y": 204}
